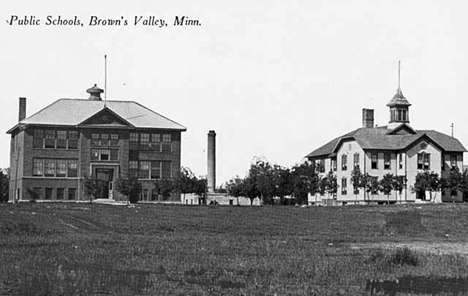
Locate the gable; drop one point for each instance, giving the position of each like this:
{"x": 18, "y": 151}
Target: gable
{"x": 105, "y": 117}
{"x": 402, "y": 130}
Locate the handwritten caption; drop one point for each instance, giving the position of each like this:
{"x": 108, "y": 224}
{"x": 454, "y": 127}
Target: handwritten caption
{"x": 95, "y": 21}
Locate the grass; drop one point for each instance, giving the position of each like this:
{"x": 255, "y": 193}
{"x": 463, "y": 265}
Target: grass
{"x": 90, "y": 249}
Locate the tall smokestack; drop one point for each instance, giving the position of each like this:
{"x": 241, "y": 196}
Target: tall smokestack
{"x": 368, "y": 118}
{"x": 22, "y": 109}
{"x": 211, "y": 176}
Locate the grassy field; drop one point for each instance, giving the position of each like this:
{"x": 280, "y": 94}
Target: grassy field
{"x": 91, "y": 249}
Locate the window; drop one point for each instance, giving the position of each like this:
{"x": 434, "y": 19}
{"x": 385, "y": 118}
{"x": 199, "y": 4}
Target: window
{"x": 133, "y": 141}
{"x": 155, "y": 142}
{"x": 166, "y": 143}
{"x": 320, "y": 165}
{"x": 72, "y": 140}
{"x": 49, "y": 165}
{"x": 155, "y": 170}
{"x": 154, "y": 195}
{"x": 61, "y": 139}
{"x": 400, "y": 161}
{"x": 144, "y": 196}
{"x": 356, "y": 160}
{"x": 104, "y": 139}
{"x": 49, "y": 192}
{"x": 453, "y": 161}
{"x": 374, "y": 161}
{"x": 50, "y": 139}
{"x": 71, "y": 193}
{"x": 133, "y": 168}
{"x": 144, "y": 170}
{"x": 333, "y": 164}
{"x": 344, "y": 162}
{"x": 375, "y": 180}
{"x": 386, "y": 161}
{"x": 55, "y": 167}
{"x": 38, "y": 167}
{"x": 114, "y": 154}
{"x": 55, "y": 139}
{"x": 60, "y": 193}
{"x": 72, "y": 168}
{"x": 167, "y": 169}
{"x": 104, "y": 154}
{"x": 144, "y": 141}
{"x": 94, "y": 139}
{"x": 114, "y": 141}
{"x": 424, "y": 161}
{"x": 344, "y": 185}
{"x": 38, "y": 139}
{"x": 61, "y": 168}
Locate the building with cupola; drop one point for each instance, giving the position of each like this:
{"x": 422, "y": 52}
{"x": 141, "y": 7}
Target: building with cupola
{"x": 396, "y": 148}
{"x": 55, "y": 149}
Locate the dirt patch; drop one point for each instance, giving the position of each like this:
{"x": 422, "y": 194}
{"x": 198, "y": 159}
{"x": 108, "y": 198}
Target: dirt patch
{"x": 440, "y": 248}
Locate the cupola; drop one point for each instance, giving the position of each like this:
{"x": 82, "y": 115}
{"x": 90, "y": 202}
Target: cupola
{"x": 95, "y": 93}
{"x": 399, "y": 107}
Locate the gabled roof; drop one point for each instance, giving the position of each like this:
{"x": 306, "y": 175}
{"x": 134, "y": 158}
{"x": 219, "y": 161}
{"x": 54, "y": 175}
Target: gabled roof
{"x": 72, "y": 112}
{"x": 379, "y": 139}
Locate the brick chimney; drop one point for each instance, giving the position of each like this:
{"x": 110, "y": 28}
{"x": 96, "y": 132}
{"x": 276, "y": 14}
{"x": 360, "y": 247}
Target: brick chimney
{"x": 367, "y": 118}
{"x": 22, "y": 109}
{"x": 211, "y": 176}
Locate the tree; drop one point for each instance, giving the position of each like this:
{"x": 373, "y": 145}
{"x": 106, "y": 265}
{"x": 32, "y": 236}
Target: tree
{"x": 200, "y": 186}
{"x": 356, "y": 180}
{"x": 399, "y": 183}
{"x": 332, "y": 184}
{"x": 261, "y": 175}
{"x": 92, "y": 187}
{"x": 130, "y": 187}
{"x": 465, "y": 185}
{"x": 370, "y": 184}
{"x": 186, "y": 181}
{"x": 165, "y": 187}
{"x": 250, "y": 189}
{"x": 305, "y": 180}
{"x": 427, "y": 181}
{"x": 455, "y": 182}
{"x": 282, "y": 181}
{"x": 386, "y": 185}
{"x": 4, "y": 186}
{"x": 235, "y": 188}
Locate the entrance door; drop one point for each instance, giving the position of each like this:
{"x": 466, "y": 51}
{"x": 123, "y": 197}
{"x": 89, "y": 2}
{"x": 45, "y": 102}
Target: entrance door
{"x": 106, "y": 176}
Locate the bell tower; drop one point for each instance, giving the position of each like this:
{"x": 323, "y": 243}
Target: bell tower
{"x": 399, "y": 107}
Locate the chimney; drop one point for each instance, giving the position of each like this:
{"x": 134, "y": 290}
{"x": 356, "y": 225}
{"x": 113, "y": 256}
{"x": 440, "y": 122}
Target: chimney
{"x": 211, "y": 175}
{"x": 22, "y": 109}
{"x": 367, "y": 118}
{"x": 95, "y": 93}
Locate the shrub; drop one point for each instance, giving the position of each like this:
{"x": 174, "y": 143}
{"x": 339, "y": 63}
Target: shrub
{"x": 404, "y": 256}
{"x": 33, "y": 195}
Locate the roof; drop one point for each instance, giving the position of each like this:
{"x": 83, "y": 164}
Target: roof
{"x": 379, "y": 139}
{"x": 398, "y": 99}
{"x": 75, "y": 111}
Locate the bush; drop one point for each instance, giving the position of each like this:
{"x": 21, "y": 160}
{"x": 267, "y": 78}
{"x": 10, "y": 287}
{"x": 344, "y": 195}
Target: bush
{"x": 404, "y": 257}
{"x": 391, "y": 258}
{"x": 33, "y": 195}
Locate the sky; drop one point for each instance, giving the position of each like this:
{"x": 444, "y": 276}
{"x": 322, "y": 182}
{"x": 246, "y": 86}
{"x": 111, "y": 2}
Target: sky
{"x": 274, "y": 79}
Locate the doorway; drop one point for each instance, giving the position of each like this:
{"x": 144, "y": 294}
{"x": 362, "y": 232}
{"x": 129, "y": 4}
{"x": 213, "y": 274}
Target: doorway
{"x": 105, "y": 176}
